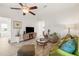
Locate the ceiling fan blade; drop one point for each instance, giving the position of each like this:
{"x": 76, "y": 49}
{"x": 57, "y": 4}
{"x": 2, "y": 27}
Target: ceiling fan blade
{"x": 24, "y": 13}
{"x": 21, "y": 4}
{"x": 32, "y": 13}
{"x": 16, "y": 8}
{"x": 34, "y": 7}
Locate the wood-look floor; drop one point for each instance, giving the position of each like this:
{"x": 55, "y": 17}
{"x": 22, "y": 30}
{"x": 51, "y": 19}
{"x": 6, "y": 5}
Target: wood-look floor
{"x": 7, "y": 49}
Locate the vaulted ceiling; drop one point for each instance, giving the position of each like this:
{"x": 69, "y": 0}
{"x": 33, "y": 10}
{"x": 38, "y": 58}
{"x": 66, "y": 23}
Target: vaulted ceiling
{"x": 45, "y": 10}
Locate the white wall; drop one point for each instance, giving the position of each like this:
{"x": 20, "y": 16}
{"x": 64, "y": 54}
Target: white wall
{"x": 59, "y": 24}
{"x": 55, "y": 27}
{"x": 28, "y": 22}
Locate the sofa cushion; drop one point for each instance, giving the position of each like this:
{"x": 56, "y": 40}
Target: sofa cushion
{"x": 69, "y": 46}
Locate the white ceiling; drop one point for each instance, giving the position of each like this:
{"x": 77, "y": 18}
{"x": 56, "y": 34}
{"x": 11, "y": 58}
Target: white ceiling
{"x": 52, "y": 10}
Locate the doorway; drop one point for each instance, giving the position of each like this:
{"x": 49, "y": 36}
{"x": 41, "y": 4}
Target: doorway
{"x": 40, "y": 28}
{"x": 5, "y": 29}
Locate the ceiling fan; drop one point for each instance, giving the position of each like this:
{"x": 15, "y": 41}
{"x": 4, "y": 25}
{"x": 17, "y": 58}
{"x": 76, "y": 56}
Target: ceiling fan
{"x": 26, "y": 9}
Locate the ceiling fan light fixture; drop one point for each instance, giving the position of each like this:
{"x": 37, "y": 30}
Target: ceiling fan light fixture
{"x": 25, "y": 10}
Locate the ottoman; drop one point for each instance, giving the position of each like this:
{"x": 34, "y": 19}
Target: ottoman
{"x": 26, "y": 50}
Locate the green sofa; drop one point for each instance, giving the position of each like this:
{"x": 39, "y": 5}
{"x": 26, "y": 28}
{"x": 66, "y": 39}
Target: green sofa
{"x": 59, "y": 52}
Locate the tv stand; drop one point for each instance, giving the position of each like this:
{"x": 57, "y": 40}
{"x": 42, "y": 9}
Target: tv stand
{"x": 28, "y": 36}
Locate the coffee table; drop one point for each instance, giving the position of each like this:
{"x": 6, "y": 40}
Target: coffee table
{"x": 42, "y": 42}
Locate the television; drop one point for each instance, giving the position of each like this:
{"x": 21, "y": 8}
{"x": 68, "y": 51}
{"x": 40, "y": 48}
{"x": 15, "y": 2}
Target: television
{"x": 29, "y": 29}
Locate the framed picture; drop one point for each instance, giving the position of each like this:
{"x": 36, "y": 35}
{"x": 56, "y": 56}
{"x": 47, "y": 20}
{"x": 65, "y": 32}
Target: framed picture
{"x": 17, "y": 24}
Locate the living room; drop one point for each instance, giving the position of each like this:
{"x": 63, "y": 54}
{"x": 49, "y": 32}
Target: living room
{"x": 37, "y": 27}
